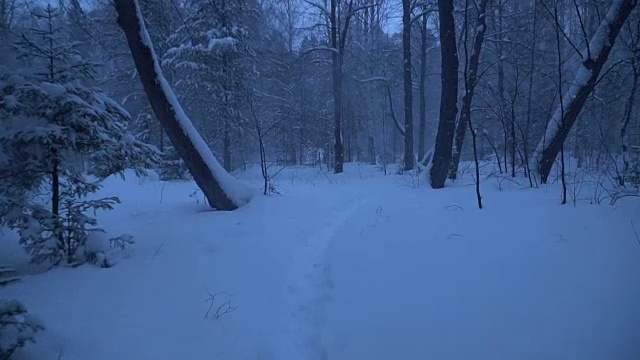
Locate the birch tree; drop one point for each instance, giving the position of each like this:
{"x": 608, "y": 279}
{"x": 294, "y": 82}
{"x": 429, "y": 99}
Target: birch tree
{"x": 593, "y": 59}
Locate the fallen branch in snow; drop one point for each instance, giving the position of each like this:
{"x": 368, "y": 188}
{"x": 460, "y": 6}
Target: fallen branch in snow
{"x": 162, "y": 191}
{"x": 635, "y": 232}
{"x": 375, "y": 223}
{"x": 561, "y": 239}
{"x": 225, "y": 308}
{"x": 221, "y": 310}
{"x": 453, "y": 207}
{"x": 157, "y": 250}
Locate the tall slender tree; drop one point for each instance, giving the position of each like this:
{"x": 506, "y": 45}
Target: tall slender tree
{"x": 470, "y": 82}
{"x": 408, "y": 85}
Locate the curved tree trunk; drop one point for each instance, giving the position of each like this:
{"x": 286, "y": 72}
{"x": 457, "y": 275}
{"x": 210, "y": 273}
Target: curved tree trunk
{"x": 448, "y": 98}
{"x": 222, "y": 191}
{"x": 585, "y": 81}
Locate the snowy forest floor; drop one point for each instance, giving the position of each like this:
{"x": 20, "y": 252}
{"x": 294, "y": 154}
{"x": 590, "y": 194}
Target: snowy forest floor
{"x": 350, "y": 266}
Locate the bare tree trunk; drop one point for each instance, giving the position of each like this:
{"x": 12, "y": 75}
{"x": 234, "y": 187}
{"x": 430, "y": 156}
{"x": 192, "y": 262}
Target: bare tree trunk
{"x": 559, "y": 49}
{"x": 532, "y": 65}
{"x": 585, "y": 81}
{"x": 336, "y": 63}
{"x": 422, "y": 85}
{"x": 512, "y": 120}
{"x": 474, "y": 142}
{"x": 227, "y": 147}
{"x": 408, "y": 85}
{"x": 371, "y": 150}
{"x": 471, "y": 78}
{"x": 495, "y": 152}
{"x": 625, "y": 123}
{"x": 448, "y": 98}
{"x": 500, "y": 52}
{"x": 216, "y": 184}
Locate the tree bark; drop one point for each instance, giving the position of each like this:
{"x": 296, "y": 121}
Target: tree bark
{"x": 408, "y": 86}
{"x": 448, "y": 98}
{"x": 584, "y": 83}
{"x": 470, "y": 86}
{"x": 211, "y": 178}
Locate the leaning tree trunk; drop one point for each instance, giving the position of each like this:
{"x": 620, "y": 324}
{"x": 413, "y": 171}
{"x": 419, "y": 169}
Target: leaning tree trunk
{"x": 585, "y": 81}
{"x": 222, "y": 191}
{"x": 448, "y": 98}
{"x": 470, "y": 87}
{"x": 408, "y": 85}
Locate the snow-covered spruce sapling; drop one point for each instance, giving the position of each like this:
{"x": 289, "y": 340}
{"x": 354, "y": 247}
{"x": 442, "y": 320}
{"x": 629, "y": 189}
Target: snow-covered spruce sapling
{"x": 55, "y": 130}
{"x": 172, "y": 166}
{"x": 17, "y": 327}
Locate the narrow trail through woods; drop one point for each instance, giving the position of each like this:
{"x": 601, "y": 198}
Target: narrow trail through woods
{"x": 306, "y": 289}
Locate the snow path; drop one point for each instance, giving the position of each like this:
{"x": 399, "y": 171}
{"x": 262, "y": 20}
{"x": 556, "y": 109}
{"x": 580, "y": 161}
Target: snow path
{"x": 306, "y": 291}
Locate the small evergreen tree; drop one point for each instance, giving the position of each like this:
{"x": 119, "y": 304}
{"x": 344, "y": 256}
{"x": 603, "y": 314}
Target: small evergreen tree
{"x": 173, "y": 167}
{"x": 17, "y": 327}
{"x": 56, "y": 130}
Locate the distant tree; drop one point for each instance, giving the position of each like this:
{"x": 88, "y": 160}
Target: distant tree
{"x": 408, "y": 84}
{"x": 338, "y": 19}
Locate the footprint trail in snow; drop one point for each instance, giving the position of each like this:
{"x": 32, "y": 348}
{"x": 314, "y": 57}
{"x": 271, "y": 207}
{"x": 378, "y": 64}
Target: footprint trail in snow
{"x": 306, "y": 292}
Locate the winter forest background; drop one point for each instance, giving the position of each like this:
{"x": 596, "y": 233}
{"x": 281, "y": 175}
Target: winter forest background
{"x": 534, "y": 93}
{"x": 225, "y": 58}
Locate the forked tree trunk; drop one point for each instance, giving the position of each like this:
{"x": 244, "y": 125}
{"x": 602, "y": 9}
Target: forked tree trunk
{"x": 470, "y": 87}
{"x": 448, "y": 98}
{"x": 585, "y": 81}
{"x": 221, "y": 190}
{"x": 408, "y": 85}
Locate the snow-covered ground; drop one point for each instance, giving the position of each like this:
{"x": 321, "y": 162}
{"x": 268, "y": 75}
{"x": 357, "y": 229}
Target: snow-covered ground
{"x": 350, "y": 266}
